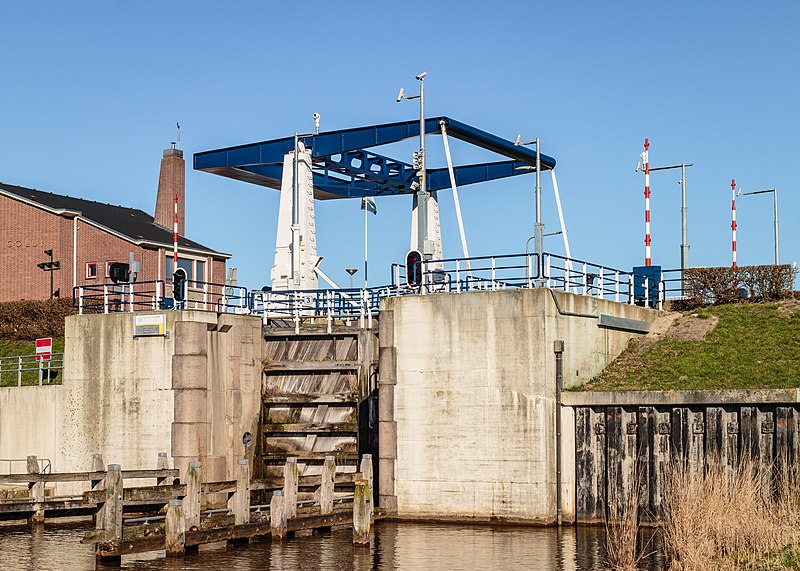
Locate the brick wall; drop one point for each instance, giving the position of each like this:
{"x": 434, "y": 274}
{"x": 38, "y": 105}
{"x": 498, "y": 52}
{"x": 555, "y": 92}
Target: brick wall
{"x": 27, "y": 231}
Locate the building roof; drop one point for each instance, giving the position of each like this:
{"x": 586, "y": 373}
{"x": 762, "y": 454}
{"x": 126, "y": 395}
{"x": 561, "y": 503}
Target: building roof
{"x": 135, "y": 225}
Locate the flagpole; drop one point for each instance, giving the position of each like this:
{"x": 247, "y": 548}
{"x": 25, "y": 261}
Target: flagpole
{"x": 366, "y": 234}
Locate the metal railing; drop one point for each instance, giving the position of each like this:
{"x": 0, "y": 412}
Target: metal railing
{"x": 150, "y": 296}
{"x": 45, "y": 466}
{"x": 529, "y": 271}
{"x": 19, "y": 370}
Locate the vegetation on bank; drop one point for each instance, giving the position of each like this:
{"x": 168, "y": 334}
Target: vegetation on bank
{"x": 9, "y": 367}
{"x": 33, "y": 319}
{"x": 734, "y": 346}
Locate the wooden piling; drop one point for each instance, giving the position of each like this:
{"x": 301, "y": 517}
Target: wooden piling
{"x": 113, "y": 507}
{"x": 98, "y": 466}
{"x": 367, "y": 473}
{"x": 241, "y": 502}
{"x": 163, "y": 464}
{"x": 362, "y": 523}
{"x": 326, "y": 488}
{"x": 277, "y": 516}
{"x": 175, "y": 529}
{"x": 191, "y": 503}
{"x": 290, "y": 481}
{"x": 36, "y": 490}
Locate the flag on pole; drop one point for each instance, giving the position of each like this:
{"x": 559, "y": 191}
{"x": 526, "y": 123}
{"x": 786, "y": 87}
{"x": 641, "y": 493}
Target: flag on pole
{"x": 369, "y": 205}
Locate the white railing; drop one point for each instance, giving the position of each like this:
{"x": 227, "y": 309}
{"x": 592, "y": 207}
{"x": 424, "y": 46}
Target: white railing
{"x": 19, "y": 370}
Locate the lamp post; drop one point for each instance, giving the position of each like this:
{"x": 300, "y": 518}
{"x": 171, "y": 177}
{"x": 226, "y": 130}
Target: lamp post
{"x": 50, "y": 266}
{"x": 422, "y": 193}
{"x": 684, "y": 239}
{"x": 352, "y": 272}
{"x": 774, "y": 192}
{"x": 538, "y": 226}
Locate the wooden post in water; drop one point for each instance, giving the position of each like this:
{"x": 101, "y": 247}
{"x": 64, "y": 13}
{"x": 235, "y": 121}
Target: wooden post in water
{"x": 241, "y": 502}
{"x": 290, "y": 481}
{"x": 277, "y": 516}
{"x": 191, "y": 503}
{"x": 113, "y": 508}
{"x": 362, "y": 524}
{"x": 98, "y": 466}
{"x": 326, "y": 488}
{"x": 367, "y": 473}
{"x": 163, "y": 464}
{"x": 175, "y": 529}
{"x": 36, "y": 490}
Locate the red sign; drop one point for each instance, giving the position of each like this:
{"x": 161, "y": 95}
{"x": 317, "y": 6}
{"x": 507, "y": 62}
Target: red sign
{"x": 44, "y": 347}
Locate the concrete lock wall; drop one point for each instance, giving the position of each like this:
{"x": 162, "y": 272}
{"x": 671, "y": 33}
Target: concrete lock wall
{"x": 28, "y": 424}
{"x": 467, "y": 399}
{"x": 191, "y": 393}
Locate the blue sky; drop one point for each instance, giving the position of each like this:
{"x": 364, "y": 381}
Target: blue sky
{"x": 92, "y": 91}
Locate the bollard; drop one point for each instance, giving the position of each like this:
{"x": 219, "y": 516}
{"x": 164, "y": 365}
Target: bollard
{"x": 175, "y": 529}
{"x": 98, "y": 466}
{"x": 191, "y": 503}
{"x": 163, "y": 464}
{"x": 37, "y": 494}
{"x": 327, "y": 486}
{"x": 277, "y": 516}
{"x": 113, "y": 508}
{"x": 241, "y": 502}
{"x": 362, "y": 525}
{"x": 367, "y": 473}
{"x": 290, "y": 481}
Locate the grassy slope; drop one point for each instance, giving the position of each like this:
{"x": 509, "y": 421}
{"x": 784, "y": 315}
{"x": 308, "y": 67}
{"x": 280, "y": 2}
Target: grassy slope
{"x": 8, "y": 377}
{"x": 753, "y": 346}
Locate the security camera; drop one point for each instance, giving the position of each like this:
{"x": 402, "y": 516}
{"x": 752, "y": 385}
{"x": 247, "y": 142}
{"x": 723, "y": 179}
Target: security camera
{"x": 316, "y": 116}
{"x": 316, "y": 123}
{"x": 739, "y": 192}
{"x": 518, "y": 140}
{"x": 401, "y": 94}
{"x": 638, "y": 166}
{"x": 422, "y": 75}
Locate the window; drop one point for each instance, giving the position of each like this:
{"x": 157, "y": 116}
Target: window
{"x": 91, "y": 270}
{"x": 195, "y": 271}
{"x": 108, "y": 267}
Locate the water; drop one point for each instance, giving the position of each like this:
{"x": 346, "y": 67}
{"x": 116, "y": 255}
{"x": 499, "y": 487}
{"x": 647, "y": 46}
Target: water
{"x": 396, "y": 546}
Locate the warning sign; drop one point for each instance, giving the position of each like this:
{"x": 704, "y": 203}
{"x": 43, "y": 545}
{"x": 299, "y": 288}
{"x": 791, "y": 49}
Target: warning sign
{"x": 44, "y": 348}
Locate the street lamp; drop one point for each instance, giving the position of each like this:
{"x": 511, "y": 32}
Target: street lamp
{"x": 684, "y": 239}
{"x": 352, "y": 272}
{"x": 774, "y": 192}
{"x": 50, "y": 266}
{"x": 422, "y": 193}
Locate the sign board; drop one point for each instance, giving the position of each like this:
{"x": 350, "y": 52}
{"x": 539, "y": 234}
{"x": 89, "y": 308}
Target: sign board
{"x": 44, "y": 348}
{"x": 150, "y": 325}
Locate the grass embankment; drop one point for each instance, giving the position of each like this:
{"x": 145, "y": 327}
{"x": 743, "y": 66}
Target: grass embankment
{"x": 30, "y": 374}
{"x": 737, "y": 346}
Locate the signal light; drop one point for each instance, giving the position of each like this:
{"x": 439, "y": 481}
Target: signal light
{"x": 413, "y": 268}
{"x": 179, "y": 284}
{"x": 119, "y": 273}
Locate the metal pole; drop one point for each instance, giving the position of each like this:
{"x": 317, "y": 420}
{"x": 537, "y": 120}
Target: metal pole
{"x": 733, "y": 221}
{"x": 51, "y": 274}
{"x": 684, "y": 239}
{"x": 422, "y": 194}
{"x": 366, "y": 234}
{"x": 646, "y": 158}
{"x": 295, "y": 217}
{"x": 777, "y": 247}
{"x": 538, "y": 228}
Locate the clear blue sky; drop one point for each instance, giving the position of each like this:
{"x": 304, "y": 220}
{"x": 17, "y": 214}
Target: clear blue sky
{"x": 92, "y": 91}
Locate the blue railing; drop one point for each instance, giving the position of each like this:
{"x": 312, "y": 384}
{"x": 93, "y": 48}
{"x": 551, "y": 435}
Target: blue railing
{"x": 453, "y": 275}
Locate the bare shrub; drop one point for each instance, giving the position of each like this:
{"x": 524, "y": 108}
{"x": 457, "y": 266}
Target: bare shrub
{"x": 721, "y": 285}
{"x": 622, "y": 529}
{"x": 727, "y": 518}
{"x": 29, "y": 320}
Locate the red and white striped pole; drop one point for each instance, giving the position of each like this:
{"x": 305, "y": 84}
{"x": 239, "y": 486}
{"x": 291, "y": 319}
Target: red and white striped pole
{"x": 646, "y": 160}
{"x": 175, "y": 237}
{"x": 733, "y": 220}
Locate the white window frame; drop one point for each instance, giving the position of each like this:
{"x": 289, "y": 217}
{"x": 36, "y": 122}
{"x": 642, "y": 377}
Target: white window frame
{"x": 88, "y": 265}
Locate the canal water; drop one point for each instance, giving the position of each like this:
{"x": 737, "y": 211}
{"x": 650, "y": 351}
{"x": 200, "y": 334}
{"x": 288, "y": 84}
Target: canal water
{"x": 395, "y": 546}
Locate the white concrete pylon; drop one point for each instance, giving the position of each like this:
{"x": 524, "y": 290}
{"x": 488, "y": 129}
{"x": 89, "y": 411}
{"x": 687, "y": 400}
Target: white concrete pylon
{"x": 296, "y": 240}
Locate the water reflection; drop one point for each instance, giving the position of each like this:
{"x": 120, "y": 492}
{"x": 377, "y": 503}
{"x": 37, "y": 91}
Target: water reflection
{"x": 396, "y": 546}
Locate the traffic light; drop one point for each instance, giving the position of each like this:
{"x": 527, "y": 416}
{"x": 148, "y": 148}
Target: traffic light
{"x": 119, "y": 273}
{"x": 179, "y": 284}
{"x": 413, "y": 268}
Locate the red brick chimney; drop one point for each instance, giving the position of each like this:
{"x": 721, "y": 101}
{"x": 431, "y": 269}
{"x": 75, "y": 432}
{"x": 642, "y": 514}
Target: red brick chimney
{"x": 171, "y": 184}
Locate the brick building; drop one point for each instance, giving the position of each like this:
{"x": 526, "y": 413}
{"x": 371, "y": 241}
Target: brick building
{"x": 86, "y": 237}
